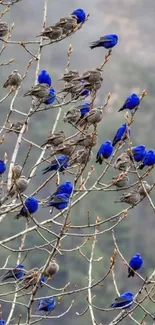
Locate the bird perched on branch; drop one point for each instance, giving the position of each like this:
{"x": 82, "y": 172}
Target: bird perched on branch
{"x": 138, "y": 153}
{"x": 51, "y": 269}
{"x": 52, "y": 32}
{"x": 20, "y": 185}
{"x": 46, "y": 304}
{"x": 50, "y": 99}
{"x": 68, "y": 24}
{"x": 132, "y": 197}
{"x": 59, "y": 201}
{"x": 123, "y": 161}
{"x": 66, "y": 149}
{"x": 146, "y": 186}
{"x": 16, "y": 171}
{"x": 4, "y": 29}
{"x": 134, "y": 264}
{"x": 30, "y": 279}
{"x": 16, "y": 127}
{"x": 44, "y": 78}
{"x": 54, "y": 139}
{"x": 72, "y": 115}
{"x": 14, "y": 79}
{"x": 61, "y": 163}
{"x": 121, "y": 180}
{"x": 40, "y": 91}
{"x": 131, "y": 102}
{"x": 66, "y": 187}
{"x": 149, "y": 159}
{"x": 80, "y": 14}
{"x": 73, "y": 87}
{"x": 15, "y": 273}
{"x": 91, "y": 76}
{"x": 88, "y": 141}
{"x": 123, "y": 301}
{"x": 104, "y": 152}
{"x": 81, "y": 157}
{"x": 121, "y": 134}
{"x": 107, "y": 41}
{"x": 70, "y": 75}
{"x": 94, "y": 116}
{"x": 31, "y": 203}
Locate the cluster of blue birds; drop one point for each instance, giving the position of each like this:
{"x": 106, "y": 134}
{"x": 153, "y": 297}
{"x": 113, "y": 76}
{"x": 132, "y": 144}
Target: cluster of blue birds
{"x": 83, "y": 113}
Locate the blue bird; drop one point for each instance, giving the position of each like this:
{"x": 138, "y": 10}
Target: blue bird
{"x": 131, "y": 102}
{"x": 149, "y": 159}
{"x": 80, "y": 14}
{"x": 104, "y": 152}
{"x": 66, "y": 187}
{"x": 107, "y": 41}
{"x": 121, "y": 134}
{"x": 2, "y": 167}
{"x": 61, "y": 163}
{"x": 46, "y": 304}
{"x": 16, "y": 273}
{"x": 51, "y": 97}
{"x": 2, "y": 322}
{"x": 84, "y": 108}
{"x": 135, "y": 264}
{"x": 59, "y": 201}
{"x": 123, "y": 301}
{"x": 139, "y": 152}
{"x": 32, "y": 206}
{"x": 44, "y": 78}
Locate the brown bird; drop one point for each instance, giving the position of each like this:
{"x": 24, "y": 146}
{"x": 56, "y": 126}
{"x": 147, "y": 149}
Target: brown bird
{"x": 52, "y": 32}
{"x": 123, "y": 162}
{"x": 51, "y": 269}
{"x": 4, "y": 29}
{"x": 16, "y": 127}
{"x": 131, "y": 197}
{"x": 141, "y": 189}
{"x": 19, "y": 187}
{"x": 16, "y": 171}
{"x": 87, "y": 141}
{"x": 81, "y": 157}
{"x": 40, "y": 91}
{"x": 54, "y": 139}
{"x": 68, "y": 76}
{"x": 121, "y": 180}
{"x": 66, "y": 149}
{"x": 68, "y": 24}
{"x": 72, "y": 116}
{"x": 73, "y": 88}
{"x": 94, "y": 116}
{"x": 92, "y": 76}
{"x": 14, "y": 79}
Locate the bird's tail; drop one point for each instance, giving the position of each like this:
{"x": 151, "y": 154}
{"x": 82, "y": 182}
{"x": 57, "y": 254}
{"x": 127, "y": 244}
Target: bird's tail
{"x": 94, "y": 44}
{"x": 27, "y": 93}
{"x": 5, "y": 85}
{"x": 118, "y": 200}
{"x": 99, "y": 160}
{"x": 114, "y": 143}
{"x": 46, "y": 170}
{"x": 121, "y": 109}
{"x": 17, "y": 216}
{"x": 131, "y": 273}
{"x": 141, "y": 166}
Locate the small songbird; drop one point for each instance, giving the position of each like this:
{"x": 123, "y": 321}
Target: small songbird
{"x": 73, "y": 87}
{"x": 14, "y": 79}
{"x": 20, "y": 186}
{"x": 60, "y": 163}
{"x": 132, "y": 197}
{"x": 138, "y": 152}
{"x": 2, "y": 322}
{"x": 15, "y": 273}
{"x": 46, "y": 304}
{"x": 81, "y": 157}
{"x": 51, "y": 269}
{"x": 104, "y": 152}
{"x": 16, "y": 171}
{"x": 54, "y": 139}
{"x": 66, "y": 149}
{"x": 31, "y": 277}
{"x": 59, "y": 201}
{"x": 39, "y": 91}
{"x": 52, "y": 32}
{"x": 44, "y": 78}
{"x": 80, "y": 14}
{"x": 16, "y": 127}
{"x": 149, "y": 159}
{"x": 147, "y": 188}
{"x": 84, "y": 108}
{"x": 2, "y": 167}
{"x": 91, "y": 76}
{"x": 94, "y": 116}
{"x": 72, "y": 115}
{"x": 32, "y": 206}
{"x": 123, "y": 301}
{"x": 66, "y": 187}
{"x": 4, "y": 29}
{"x": 131, "y": 102}
{"x": 107, "y": 41}
{"x": 88, "y": 141}
{"x": 121, "y": 180}
{"x": 123, "y": 161}
{"x": 51, "y": 97}
{"x": 70, "y": 75}
{"x": 135, "y": 264}
{"x": 121, "y": 134}
{"x": 68, "y": 24}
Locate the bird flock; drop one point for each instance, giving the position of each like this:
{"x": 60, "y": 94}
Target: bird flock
{"x": 76, "y": 152}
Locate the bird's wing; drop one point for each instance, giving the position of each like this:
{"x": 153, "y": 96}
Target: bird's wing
{"x": 105, "y": 39}
{"x": 122, "y": 299}
{"x": 59, "y": 199}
